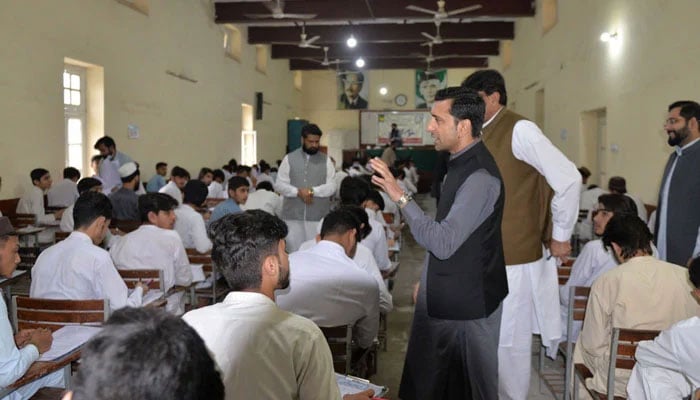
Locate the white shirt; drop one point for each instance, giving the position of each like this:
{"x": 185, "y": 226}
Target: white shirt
{"x": 328, "y": 288}
{"x": 391, "y": 207}
{"x": 264, "y": 352}
{"x": 284, "y": 186}
{"x": 62, "y": 194}
{"x": 32, "y": 202}
{"x": 109, "y": 171}
{"x": 338, "y": 179}
{"x": 641, "y": 209}
{"x": 365, "y": 261}
{"x": 190, "y": 225}
{"x": 264, "y": 200}
{"x": 264, "y": 178}
{"x": 150, "y": 247}
{"x": 376, "y": 241}
{"x": 216, "y": 191}
{"x": 173, "y": 191}
{"x": 76, "y": 269}
{"x": 14, "y": 362}
{"x": 407, "y": 186}
{"x": 67, "y": 222}
{"x": 667, "y": 367}
{"x": 531, "y": 146}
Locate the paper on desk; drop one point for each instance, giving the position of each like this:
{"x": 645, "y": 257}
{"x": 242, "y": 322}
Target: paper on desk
{"x": 350, "y": 384}
{"x": 197, "y": 273}
{"x": 67, "y": 339}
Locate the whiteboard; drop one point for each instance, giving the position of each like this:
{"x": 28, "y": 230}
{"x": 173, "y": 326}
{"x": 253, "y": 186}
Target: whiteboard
{"x": 375, "y": 127}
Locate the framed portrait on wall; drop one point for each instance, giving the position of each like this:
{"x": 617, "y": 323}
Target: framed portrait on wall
{"x": 353, "y": 91}
{"x": 427, "y": 84}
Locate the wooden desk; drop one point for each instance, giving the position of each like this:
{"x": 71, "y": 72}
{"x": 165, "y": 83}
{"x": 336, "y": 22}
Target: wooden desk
{"x": 6, "y": 284}
{"x": 41, "y": 369}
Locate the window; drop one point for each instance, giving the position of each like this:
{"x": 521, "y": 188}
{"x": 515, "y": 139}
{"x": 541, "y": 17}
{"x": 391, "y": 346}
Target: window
{"x": 261, "y": 58}
{"x": 249, "y": 140}
{"x": 75, "y": 112}
{"x": 232, "y": 42}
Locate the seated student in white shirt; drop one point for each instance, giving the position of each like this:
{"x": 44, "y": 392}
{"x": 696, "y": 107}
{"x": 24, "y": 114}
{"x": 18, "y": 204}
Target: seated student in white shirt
{"x": 363, "y": 258}
{"x": 18, "y": 351}
{"x": 262, "y": 351}
{"x": 355, "y": 191}
{"x": 264, "y": 175}
{"x": 76, "y": 268}
{"x": 405, "y": 184}
{"x": 264, "y": 198}
{"x": 327, "y": 286}
{"x": 155, "y": 245}
{"x": 618, "y": 185}
{"x": 178, "y": 179}
{"x": 32, "y": 202}
{"x": 65, "y": 192}
{"x": 247, "y": 173}
{"x": 189, "y": 223}
{"x": 206, "y": 175}
{"x": 667, "y": 367}
{"x": 84, "y": 185}
{"x": 216, "y": 187}
{"x": 173, "y": 362}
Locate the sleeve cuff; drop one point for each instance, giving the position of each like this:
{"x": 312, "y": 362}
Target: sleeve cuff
{"x": 561, "y": 235}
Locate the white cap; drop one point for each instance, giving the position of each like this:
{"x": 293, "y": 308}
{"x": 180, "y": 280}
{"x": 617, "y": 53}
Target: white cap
{"x": 127, "y": 169}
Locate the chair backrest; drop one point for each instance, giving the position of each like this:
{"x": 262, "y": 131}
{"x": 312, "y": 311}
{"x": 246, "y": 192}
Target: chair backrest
{"x": 623, "y": 345}
{"x": 20, "y": 220}
{"x": 125, "y": 225}
{"x": 154, "y": 277}
{"x": 196, "y": 257}
{"x": 60, "y": 235}
{"x": 564, "y": 271}
{"x": 578, "y": 301}
{"x": 339, "y": 339}
{"x": 31, "y": 313}
{"x": 582, "y": 214}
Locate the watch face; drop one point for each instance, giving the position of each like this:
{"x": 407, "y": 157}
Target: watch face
{"x": 400, "y": 100}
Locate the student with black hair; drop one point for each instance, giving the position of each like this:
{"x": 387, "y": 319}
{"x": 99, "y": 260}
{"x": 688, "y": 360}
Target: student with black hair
{"x": 178, "y": 179}
{"x": 85, "y": 184}
{"x": 65, "y": 192}
{"x": 327, "y": 286}
{"x": 641, "y": 293}
{"x": 158, "y": 180}
{"x": 155, "y": 245}
{"x": 216, "y": 187}
{"x": 173, "y": 362}
{"x": 189, "y": 223}
{"x": 206, "y": 175}
{"x": 264, "y": 198}
{"x": 32, "y": 202}
{"x": 77, "y": 268}
{"x": 237, "y": 196}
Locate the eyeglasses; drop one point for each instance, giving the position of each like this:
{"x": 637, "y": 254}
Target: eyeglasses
{"x": 673, "y": 121}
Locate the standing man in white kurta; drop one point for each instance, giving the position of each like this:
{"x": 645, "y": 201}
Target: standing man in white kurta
{"x": 305, "y": 179}
{"x": 532, "y": 167}
{"x": 110, "y": 163}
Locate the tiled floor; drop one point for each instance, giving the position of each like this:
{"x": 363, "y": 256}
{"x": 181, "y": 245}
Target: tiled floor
{"x": 399, "y": 322}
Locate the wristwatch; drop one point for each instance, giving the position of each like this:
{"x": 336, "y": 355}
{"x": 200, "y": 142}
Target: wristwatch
{"x": 404, "y": 199}
{"x": 311, "y": 191}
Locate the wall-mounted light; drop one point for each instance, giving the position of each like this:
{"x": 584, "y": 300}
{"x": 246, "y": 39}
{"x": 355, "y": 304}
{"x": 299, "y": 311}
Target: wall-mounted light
{"x": 383, "y": 91}
{"x": 606, "y": 37}
{"x": 351, "y": 42}
{"x": 360, "y": 62}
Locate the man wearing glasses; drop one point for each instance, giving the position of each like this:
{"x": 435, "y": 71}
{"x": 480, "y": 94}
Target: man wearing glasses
{"x": 678, "y": 216}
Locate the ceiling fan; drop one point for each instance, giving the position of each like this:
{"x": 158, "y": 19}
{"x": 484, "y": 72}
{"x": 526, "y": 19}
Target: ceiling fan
{"x": 326, "y": 62}
{"x": 430, "y": 57}
{"x": 437, "y": 39}
{"x": 303, "y": 42}
{"x": 277, "y": 9}
{"x": 441, "y": 13}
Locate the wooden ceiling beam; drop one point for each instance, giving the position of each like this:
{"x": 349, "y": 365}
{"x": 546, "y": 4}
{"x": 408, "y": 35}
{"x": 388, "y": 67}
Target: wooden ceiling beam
{"x": 395, "y": 63}
{"x": 387, "y": 50}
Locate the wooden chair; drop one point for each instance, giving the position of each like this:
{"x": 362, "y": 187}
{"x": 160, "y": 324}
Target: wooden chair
{"x": 339, "y": 340}
{"x": 20, "y": 220}
{"x": 623, "y": 344}
{"x": 564, "y": 271}
{"x": 31, "y": 313}
{"x": 218, "y": 288}
{"x": 131, "y": 277}
{"x": 60, "y": 235}
{"x": 578, "y": 301}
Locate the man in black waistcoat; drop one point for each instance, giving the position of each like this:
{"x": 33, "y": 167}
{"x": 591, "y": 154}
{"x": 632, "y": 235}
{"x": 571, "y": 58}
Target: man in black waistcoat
{"x": 453, "y": 350}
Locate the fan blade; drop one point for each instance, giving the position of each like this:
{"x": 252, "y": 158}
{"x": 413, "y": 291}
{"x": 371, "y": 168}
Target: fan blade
{"x": 259, "y": 16}
{"x": 464, "y": 10}
{"x": 298, "y": 16}
{"x": 421, "y": 9}
{"x": 429, "y": 36}
{"x": 445, "y": 57}
{"x": 418, "y": 55}
{"x": 313, "y": 39}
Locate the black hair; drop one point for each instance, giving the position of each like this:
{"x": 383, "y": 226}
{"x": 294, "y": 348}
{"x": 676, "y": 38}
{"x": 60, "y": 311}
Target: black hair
{"x": 630, "y": 233}
{"x": 161, "y": 164}
{"x": 241, "y": 242}
{"x": 179, "y": 172}
{"x": 376, "y": 198}
{"x": 71, "y": 173}
{"x": 310, "y": 129}
{"x": 617, "y": 184}
{"x": 339, "y": 222}
{"x": 86, "y": 184}
{"x": 237, "y": 181}
{"x": 243, "y": 168}
{"x": 264, "y": 166}
{"x": 466, "y": 105}
{"x": 37, "y": 174}
{"x": 232, "y": 163}
{"x": 204, "y": 171}
{"x": 195, "y": 192}
{"x": 105, "y": 140}
{"x": 219, "y": 174}
{"x": 353, "y": 191}
{"x": 266, "y": 185}
{"x": 155, "y": 203}
{"x": 96, "y": 158}
{"x": 619, "y": 204}
{"x": 689, "y": 109}
{"x": 488, "y": 81}
{"x": 146, "y": 353}
{"x": 362, "y": 217}
{"x": 694, "y": 271}
{"x": 90, "y": 206}
{"x": 585, "y": 172}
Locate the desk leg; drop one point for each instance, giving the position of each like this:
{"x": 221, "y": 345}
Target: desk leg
{"x": 67, "y": 376}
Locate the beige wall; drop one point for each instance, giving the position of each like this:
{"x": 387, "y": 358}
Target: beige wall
{"x": 652, "y": 66}
{"x": 190, "y": 124}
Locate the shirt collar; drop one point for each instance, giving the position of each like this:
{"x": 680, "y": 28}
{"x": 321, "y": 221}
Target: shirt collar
{"x": 464, "y": 150}
{"x": 331, "y": 247}
{"x": 80, "y": 236}
{"x": 491, "y": 119}
{"x": 679, "y": 150}
{"x": 247, "y": 298}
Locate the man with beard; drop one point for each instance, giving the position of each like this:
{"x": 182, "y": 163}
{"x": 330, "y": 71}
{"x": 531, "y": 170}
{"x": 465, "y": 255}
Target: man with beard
{"x": 305, "y": 179}
{"x": 261, "y": 350}
{"x": 678, "y": 216}
{"x": 112, "y": 159}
